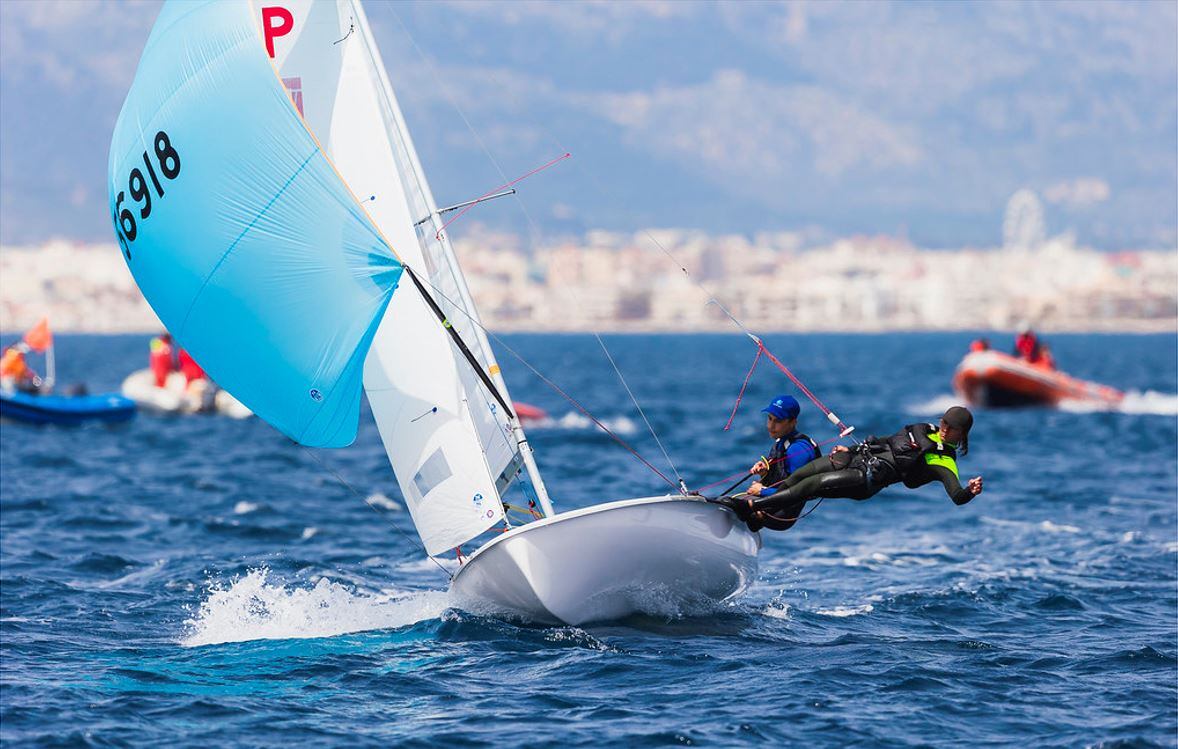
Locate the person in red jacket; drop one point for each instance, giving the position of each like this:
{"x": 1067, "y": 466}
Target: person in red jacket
{"x": 160, "y": 359}
{"x": 1026, "y": 345}
{"x": 189, "y": 368}
{"x": 15, "y": 371}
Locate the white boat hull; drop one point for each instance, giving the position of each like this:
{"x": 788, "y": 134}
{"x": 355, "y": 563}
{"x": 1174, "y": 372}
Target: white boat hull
{"x": 177, "y": 397}
{"x": 658, "y": 555}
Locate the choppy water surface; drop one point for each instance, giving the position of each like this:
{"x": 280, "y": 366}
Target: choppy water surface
{"x": 203, "y": 581}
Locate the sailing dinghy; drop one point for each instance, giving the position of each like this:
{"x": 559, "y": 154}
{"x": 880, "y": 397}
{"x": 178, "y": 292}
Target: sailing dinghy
{"x": 271, "y": 207}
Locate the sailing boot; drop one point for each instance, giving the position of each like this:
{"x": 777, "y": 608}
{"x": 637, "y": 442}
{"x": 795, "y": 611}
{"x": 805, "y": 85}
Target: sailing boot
{"x": 742, "y": 506}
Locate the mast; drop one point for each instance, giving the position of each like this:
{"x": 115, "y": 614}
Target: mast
{"x": 50, "y": 368}
{"x": 493, "y": 370}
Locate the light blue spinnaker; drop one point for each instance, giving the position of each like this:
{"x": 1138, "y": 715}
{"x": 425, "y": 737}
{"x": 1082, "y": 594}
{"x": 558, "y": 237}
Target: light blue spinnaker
{"x": 253, "y": 251}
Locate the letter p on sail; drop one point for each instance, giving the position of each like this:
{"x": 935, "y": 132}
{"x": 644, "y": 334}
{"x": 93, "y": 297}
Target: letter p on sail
{"x": 272, "y": 30}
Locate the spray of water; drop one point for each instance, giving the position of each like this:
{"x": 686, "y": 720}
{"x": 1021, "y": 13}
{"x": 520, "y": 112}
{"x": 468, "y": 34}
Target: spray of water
{"x": 252, "y": 607}
{"x": 1150, "y": 403}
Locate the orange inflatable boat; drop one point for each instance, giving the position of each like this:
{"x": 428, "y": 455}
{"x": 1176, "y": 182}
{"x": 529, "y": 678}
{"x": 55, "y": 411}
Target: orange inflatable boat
{"x": 991, "y": 378}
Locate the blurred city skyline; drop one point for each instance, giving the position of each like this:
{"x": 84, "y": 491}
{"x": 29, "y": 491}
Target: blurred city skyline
{"x": 914, "y": 120}
{"x": 773, "y": 282}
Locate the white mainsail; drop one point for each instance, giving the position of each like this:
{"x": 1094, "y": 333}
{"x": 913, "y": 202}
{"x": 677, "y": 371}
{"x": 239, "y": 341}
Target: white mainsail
{"x": 452, "y": 448}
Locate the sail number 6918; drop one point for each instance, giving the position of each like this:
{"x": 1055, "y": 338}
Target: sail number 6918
{"x": 168, "y": 159}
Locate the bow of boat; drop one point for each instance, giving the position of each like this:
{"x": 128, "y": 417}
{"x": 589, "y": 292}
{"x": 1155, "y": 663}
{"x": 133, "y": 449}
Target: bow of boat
{"x": 658, "y": 555}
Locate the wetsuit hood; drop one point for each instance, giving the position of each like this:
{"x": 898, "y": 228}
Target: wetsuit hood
{"x": 959, "y": 417}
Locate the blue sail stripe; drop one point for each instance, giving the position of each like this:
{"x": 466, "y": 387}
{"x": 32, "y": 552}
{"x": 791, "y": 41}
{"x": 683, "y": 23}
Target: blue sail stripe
{"x": 213, "y": 272}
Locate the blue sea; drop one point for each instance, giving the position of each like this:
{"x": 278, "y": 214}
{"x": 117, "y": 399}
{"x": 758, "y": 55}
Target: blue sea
{"x": 202, "y": 581}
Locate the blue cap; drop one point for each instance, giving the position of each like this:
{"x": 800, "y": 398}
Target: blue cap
{"x": 783, "y": 407}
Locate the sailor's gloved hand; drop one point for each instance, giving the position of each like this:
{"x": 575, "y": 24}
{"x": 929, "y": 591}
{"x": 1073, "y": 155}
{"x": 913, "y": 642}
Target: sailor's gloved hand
{"x": 759, "y": 467}
{"x": 755, "y": 489}
{"x": 974, "y": 486}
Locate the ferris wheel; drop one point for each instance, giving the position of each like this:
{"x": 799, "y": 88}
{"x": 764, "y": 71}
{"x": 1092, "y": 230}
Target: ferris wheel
{"x": 1023, "y": 226}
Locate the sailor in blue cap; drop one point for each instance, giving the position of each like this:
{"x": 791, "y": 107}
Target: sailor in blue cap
{"x": 791, "y": 449}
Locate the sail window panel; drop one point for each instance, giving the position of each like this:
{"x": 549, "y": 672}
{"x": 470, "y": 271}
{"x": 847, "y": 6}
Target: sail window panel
{"x": 514, "y": 466}
{"x": 433, "y": 471}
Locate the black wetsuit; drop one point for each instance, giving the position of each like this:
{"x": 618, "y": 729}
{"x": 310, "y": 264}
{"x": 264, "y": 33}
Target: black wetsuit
{"x": 912, "y": 456}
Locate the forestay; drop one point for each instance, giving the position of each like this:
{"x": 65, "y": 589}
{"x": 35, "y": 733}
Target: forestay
{"x": 450, "y": 445}
{"x": 231, "y": 218}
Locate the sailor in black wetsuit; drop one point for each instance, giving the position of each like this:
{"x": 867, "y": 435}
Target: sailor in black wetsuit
{"x": 916, "y": 455}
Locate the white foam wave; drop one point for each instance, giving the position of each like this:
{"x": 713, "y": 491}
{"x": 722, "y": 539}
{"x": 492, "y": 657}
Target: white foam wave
{"x": 574, "y": 420}
{"x": 777, "y": 610}
{"x": 859, "y": 561}
{"x": 1051, "y": 527}
{"x": 577, "y": 636}
{"x": 1150, "y": 402}
{"x": 428, "y": 564}
{"x": 380, "y": 500}
{"x": 253, "y": 608}
{"x": 309, "y": 532}
{"x": 136, "y": 576}
{"x": 244, "y": 508}
{"x": 844, "y": 611}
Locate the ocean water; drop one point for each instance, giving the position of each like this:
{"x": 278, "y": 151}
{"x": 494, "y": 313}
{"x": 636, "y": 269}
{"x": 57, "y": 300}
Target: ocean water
{"x": 204, "y": 582}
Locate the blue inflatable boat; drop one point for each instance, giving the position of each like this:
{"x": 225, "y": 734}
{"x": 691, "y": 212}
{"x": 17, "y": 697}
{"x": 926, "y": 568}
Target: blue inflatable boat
{"x": 65, "y": 409}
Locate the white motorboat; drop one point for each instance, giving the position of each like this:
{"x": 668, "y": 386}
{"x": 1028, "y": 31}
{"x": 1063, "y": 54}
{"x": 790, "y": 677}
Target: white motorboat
{"x": 178, "y": 396}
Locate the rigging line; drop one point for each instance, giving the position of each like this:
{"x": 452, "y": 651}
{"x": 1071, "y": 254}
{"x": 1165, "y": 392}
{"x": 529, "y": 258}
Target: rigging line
{"x": 470, "y": 358}
{"x": 834, "y": 419}
{"x": 641, "y": 413}
{"x": 504, "y": 186}
{"x": 585, "y": 411}
{"x": 487, "y": 152}
{"x": 536, "y": 236}
{"x": 743, "y": 387}
{"x": 445, "y": 91}
{"x": 452, "y": 261}
{"x": 844, "y": 429}
{"x": 441, "y": 86}
{"x": 535, "y": 231}
{"x": 364, "y": 499}
{"x": 576, "y": 404}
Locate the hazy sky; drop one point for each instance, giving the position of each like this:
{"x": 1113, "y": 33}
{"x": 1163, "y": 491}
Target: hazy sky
{"x": 854, "y": 117}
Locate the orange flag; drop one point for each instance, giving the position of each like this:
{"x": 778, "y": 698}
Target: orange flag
{"x": 39, "y": 337}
